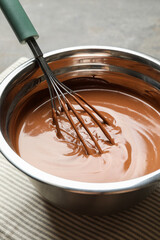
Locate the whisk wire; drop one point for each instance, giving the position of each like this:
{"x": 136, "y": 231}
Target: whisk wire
{"x": 75, "y": 113}
{"x": 57, "y": 91}
{"x": 84, "y": 126}
{"x": 71, "y": 93}
{"x": 88, "y": 150}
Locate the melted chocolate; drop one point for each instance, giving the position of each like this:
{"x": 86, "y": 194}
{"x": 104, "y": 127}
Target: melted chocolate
{"x": 133, "y": 124}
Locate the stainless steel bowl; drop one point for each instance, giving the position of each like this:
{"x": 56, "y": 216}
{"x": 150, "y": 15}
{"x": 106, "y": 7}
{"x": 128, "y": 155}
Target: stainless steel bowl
{"x": 134, "y": 71}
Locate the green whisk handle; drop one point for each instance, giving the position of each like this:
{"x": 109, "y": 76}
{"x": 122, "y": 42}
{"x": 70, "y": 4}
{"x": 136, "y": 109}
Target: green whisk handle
{"x": 18, "y": 20}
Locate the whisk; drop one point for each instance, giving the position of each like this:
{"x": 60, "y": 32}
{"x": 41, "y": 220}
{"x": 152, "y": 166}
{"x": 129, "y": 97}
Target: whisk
{"x": 26, "y": 32}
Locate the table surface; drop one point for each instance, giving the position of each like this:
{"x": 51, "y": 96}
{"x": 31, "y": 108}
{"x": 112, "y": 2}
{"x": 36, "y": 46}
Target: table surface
{"x": 128, "y": 24}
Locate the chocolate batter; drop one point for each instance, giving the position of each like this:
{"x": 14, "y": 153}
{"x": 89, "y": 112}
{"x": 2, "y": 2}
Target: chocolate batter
{"x": 133, "y": 124}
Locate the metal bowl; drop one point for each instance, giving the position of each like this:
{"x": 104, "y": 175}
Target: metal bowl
{"x": 134, "y": 71}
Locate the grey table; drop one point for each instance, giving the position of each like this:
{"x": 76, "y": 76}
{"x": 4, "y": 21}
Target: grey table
{"x": 66, "y": 23}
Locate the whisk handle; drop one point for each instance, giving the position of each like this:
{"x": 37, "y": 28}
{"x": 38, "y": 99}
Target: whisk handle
{"x": 18, "y": 20}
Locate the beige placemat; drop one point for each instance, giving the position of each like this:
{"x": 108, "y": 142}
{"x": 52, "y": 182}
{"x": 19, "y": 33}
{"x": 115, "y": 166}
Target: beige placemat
{"x": 25, "y": 215}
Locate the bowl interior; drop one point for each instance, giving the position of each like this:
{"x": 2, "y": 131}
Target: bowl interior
{"x": 112, "y": 68}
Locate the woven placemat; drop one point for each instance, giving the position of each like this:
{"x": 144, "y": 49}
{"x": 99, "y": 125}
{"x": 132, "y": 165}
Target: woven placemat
{"x": 25, "y": 215}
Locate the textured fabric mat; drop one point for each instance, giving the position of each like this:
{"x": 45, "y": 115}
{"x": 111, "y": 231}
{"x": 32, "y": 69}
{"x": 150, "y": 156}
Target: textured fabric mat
{"x": 24, "y": 215}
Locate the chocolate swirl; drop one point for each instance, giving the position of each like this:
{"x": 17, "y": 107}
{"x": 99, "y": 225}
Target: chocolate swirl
{"x": 134, "y": 125}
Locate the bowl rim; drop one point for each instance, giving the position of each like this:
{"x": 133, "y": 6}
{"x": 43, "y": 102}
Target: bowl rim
{"x": 75, "y": 186}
